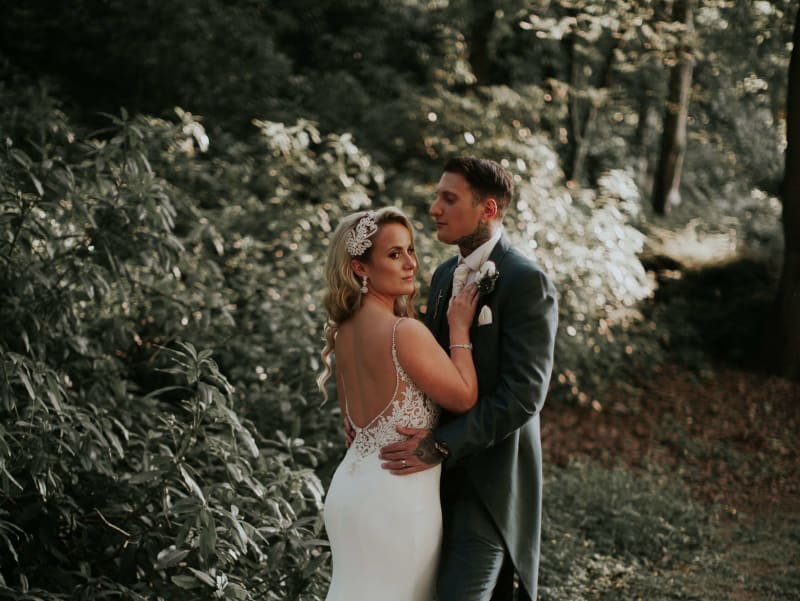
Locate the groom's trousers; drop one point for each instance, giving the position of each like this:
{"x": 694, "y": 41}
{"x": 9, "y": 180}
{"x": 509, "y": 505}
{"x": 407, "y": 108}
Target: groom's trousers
{"x": 474, "y": 565}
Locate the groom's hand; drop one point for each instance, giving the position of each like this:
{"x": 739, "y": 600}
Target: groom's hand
{"x": 416, "y": 454}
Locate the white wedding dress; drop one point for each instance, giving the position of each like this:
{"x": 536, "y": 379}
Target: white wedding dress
{"x": 385, "y": 530}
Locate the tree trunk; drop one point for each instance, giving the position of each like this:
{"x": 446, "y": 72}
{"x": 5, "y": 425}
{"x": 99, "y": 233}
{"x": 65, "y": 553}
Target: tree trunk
{"x": 666, "y": 188}
{"x": 782, "y": 340}
{"x": 646, "y": 139}
{"x": 580, "y": 140}
{"x": 570, "y": 42}
{"x": 480, "y": 30}
{"x": 582, "y": 144}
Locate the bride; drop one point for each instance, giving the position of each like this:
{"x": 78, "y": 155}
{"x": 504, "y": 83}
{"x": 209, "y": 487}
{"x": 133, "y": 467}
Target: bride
{"x": 385, "y": 532}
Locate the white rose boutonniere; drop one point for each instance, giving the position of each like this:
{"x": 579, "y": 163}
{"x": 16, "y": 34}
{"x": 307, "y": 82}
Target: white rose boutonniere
{"x": 486, "y": 277}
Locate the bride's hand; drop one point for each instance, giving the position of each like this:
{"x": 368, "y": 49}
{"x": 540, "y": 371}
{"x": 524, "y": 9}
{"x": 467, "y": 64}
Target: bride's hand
{"x": 462, "y": 308}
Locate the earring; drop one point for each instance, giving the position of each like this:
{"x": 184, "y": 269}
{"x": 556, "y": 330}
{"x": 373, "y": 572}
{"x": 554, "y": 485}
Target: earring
{"x": 364, "y": 288}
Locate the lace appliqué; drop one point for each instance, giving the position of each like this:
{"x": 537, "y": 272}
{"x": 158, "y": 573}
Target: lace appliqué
{"x": 409, "y": 407}
{"x": 413, "y": 409}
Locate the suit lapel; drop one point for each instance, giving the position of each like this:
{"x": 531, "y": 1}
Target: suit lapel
{"x": 499, "y": 252}
{"x": 496, "y": 256}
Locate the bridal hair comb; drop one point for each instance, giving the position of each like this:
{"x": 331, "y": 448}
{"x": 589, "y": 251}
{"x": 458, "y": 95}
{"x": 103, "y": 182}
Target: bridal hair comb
{"x": 357, "y": 240}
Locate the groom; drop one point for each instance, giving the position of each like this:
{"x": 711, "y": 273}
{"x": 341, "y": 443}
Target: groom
{"x": 492, "y": 457}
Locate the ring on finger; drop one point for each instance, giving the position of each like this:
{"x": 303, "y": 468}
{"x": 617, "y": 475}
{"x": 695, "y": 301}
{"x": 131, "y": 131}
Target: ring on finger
{"x": 405, "y": 463}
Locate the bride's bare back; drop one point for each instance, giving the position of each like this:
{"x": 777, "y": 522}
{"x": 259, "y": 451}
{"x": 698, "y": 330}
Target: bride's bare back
{"x": 364, "y": 366}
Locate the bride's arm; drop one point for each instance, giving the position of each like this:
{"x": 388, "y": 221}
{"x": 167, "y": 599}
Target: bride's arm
{"x": 450, "y": 381}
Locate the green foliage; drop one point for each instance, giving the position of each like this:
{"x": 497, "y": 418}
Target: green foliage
{"x": 126, "y": 466}
{"x": 738, "y": 104}
{"x": 153, "y": 55}
{"x": 612, "y": 59}
{"x": 272, "y": 203}
{"x": 692, "y": 321}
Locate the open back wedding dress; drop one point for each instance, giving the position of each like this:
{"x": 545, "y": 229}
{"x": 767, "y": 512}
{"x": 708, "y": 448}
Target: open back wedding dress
{"x": 385, "y": 530}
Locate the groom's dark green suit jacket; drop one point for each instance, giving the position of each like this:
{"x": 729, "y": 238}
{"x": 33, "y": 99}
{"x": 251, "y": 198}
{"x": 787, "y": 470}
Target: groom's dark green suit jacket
{"x": 497, "y": 442}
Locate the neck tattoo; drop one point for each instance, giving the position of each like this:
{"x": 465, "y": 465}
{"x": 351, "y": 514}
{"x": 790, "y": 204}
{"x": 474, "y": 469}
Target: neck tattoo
{"x": 472, "y": 241}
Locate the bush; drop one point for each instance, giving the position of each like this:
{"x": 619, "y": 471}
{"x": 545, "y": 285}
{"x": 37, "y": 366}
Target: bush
{"x": 127, "y": 466}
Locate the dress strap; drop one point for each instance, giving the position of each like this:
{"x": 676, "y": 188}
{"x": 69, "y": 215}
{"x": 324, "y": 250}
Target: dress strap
{"x": 347, "y": 406}
{"x": 397, "y": 367}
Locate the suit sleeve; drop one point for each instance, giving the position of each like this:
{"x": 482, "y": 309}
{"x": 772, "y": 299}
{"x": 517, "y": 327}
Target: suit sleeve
{"x": 527, "y": 338}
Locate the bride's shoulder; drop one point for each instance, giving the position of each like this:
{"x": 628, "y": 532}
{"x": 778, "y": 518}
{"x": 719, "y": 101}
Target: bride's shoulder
{"x": 412, "y": 331}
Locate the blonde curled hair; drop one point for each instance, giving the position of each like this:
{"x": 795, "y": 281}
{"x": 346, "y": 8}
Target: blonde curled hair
{"x": 343, "y": 294}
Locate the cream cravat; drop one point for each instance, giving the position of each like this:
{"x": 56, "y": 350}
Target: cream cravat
{"x": 460, "y": 278}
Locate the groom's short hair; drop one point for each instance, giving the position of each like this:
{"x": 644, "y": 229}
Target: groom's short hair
{"x": 486, "y": 178}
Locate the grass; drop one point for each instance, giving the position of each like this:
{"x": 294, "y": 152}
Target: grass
{"x": 604, "y": 529}
{"x": 615, "y": 535}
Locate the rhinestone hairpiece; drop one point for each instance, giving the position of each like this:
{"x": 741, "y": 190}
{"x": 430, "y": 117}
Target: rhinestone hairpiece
{"x": 358, "y": 240}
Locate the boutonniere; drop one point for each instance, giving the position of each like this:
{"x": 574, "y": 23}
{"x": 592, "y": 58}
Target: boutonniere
{"x": 486, "y": 277}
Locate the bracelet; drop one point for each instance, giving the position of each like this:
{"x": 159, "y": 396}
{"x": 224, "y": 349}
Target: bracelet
{"x": 466, "y": 346}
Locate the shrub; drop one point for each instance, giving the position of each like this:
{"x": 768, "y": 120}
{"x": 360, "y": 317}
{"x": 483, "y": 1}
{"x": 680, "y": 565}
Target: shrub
{"x": 122, "y": 472}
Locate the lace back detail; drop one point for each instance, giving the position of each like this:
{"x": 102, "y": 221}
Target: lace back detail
{"x": 408, "y": 407}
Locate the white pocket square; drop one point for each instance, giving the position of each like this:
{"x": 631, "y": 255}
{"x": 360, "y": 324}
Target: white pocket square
{"x": 485, "y": 316}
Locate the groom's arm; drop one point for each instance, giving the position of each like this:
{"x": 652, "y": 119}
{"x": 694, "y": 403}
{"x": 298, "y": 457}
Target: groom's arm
{"x": 528, "y": 328}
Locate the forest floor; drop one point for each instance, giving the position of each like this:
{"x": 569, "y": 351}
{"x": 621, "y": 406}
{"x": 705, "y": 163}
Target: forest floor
{"x": 731, "y": 437}
{"x": 728, "y": 433}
